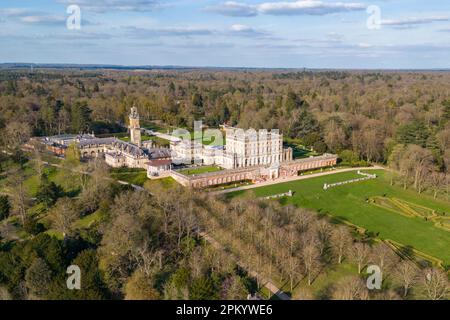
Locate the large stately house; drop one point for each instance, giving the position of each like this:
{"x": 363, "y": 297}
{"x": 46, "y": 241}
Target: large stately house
{"x": 243, "y": 149}
{"x": 247, "y": 155}
{"x": 117, "y": 153}
{"x": 254, "y": 148}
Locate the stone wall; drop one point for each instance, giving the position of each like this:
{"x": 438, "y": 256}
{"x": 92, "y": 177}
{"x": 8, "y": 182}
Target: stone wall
{"x": 256, "y": 174}
{"x": 290, "y": 169}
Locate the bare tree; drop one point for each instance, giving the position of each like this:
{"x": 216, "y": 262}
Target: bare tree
{"x": 95, "y": 183}
{"x": 359, "y": 254}
{"x": 19, "y": 193}
{"x": 340, "y": 241}
{"x": 16, "y": 133}
{"x": 311, "y": 261}
{"x": 350, "y": 288}
{"x": 436, "y": 181}
{"x": 383, "y": 256}
{"x": 420, "y": 160}
{"x": 38, "y": 149}
{"x": 4, "y": 294}
{"x": 435, "y": 284}
{"x": 323, "y": 230}
{"x": 406, "y": 273}
{"x": 292, "y": 260}
{"x": 147, "y": 259}
{"x": 334, "y": 135}
{"x": 373, "y": 143}
{"x": 63, "y": 215}
{"x": 395, "y": 159}
{"x": 443, "y": 139}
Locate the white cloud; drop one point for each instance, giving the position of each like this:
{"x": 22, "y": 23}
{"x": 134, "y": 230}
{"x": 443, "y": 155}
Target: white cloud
{"x": 301, "y": 7}
{"x": 167, "y": 32}
{"x": 43, "y": 19}
{"x": 32, "y": 16}
{"x": 234, "y": 9}
{"x": 310, "y": 7}
{"x": 247, "y": 31}
{"x": 13, "y": 12}
{"x": 414, "y": 21}
{"x": 115, "y": 5}
{"x": 234, "y": 30}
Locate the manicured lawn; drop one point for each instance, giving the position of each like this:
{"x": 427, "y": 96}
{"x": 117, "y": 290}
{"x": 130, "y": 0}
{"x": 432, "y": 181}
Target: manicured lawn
{"x": 155, "y": 125}
{"x": 133, "y": 176}
{"x": 158, "y": 141}
{"x": 143, "y": 138}
{"x": 165, "y": 183}
{"x": 298, "y": 150}
{"x": 200, "y": 170}
{"x": 350, "y": 202}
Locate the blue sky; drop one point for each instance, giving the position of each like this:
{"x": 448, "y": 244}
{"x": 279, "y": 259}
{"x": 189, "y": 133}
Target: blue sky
{"x": 238, "y": 33}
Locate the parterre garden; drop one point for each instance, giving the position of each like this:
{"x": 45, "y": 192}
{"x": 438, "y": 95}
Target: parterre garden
{"x": 388, "y": 212}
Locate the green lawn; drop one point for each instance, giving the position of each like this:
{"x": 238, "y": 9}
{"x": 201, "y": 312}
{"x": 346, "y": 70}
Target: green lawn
{"x": 207, "y": 141}
{"x": 349, "y": 203}
{"x": 32, "y": 180}
{"x": 165, "y": 183}
{"x": 87, "y": 221}
{"x": 133, "y": 176}
{"x": 322, "y": 286}
{"x": 298, "y": 150}
{"x": 143, "y": 138}
{"x": 158, "y": 141}
{"x": 200, "y": 170}
{"x": 156, "y": 125}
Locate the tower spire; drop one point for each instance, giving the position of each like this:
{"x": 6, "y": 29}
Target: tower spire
{"x": 135, "y": 128}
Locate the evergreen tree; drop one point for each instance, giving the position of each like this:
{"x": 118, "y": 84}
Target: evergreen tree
{"x": 304, "y": 125}
{"x": 293, "y": 102}
{"x": 203, "y": 289}
{"x": 81, "y": 117}
{"x": 446, "y": 107}
{"x": 5, "y": 207}
{"x": 38, "y": 278}
{"x": 197, "y": 102}
{"x": 48, "y": 192}
{"x": 414, "y": 132}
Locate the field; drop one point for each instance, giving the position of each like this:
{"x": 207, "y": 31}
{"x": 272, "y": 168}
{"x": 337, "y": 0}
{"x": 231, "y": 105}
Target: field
{"x": 368, "y": 205}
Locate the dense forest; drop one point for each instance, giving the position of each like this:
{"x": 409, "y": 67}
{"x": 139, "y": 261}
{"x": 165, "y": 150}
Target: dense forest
{"x": 155, "y": 244}
{"x": 360, "y": 115}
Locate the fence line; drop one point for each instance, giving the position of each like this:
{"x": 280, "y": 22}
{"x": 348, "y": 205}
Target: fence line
{"x": 286, "y": 194}
{"x": 367, "y": 176}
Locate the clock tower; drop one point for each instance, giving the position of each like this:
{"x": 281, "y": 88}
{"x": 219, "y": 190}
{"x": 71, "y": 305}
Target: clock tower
{"x": 135, "y": 128}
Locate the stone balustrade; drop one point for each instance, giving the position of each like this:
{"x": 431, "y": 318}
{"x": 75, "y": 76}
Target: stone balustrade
{"x": 367, "y": 176}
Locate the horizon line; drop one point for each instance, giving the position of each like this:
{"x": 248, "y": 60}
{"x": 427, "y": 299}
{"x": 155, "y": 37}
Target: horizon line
{"x": 46, "y": 65}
